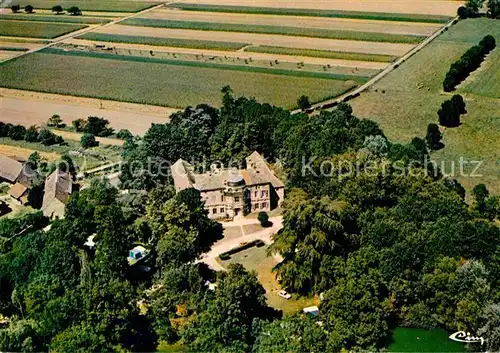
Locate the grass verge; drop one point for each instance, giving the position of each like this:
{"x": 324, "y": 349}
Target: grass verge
{"x": 56, "y": 19}
{"x": 386, "y": 16}
{"x": 278, "y": 30}
{"x": 322, "y": 53}
{"x": 163, "y": 42}
{"x": 36, "y": 30}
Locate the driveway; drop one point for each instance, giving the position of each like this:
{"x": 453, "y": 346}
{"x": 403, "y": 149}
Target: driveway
{"x": 242, "y": 236}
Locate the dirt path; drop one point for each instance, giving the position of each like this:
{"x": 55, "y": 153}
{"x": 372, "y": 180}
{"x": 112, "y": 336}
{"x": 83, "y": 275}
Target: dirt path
{"x": 265, "y": 39}
{"x": 435, "y": 7}
{"x": 297, "y": 21}
{"x": 29, "y": 108}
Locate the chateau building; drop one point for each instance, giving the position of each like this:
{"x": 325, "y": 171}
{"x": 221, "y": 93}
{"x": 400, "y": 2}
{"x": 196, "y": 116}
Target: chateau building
{"x": 231, "y": 192}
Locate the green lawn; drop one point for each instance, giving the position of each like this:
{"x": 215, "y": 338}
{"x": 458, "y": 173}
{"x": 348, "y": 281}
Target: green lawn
{"x": 59, "y": 19}
{"x": 321, "y": 53}
{"x": 313, "y": 13}
{"x": 407, "y": 100}
{"x": 164, "y": 42}
{"x": 35, "y": 29}
{"x": 166, "y": 83}
{"x": 279, "y": 30}
{"x": 256, "y": 259}
{"x": 420, "y": 340}
{"x": 92, "y": 5}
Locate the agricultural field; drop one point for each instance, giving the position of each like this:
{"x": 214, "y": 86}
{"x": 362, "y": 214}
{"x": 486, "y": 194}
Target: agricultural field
{"x": 55, "y": 18}
{"x": 328, "y": 8}
{"x": 183, "y": 53}
{"x": 407, "y": 100}
{"x": 36, "y": 29}
{"x": 160, "y": 83}
{"x": 92, "y": 5}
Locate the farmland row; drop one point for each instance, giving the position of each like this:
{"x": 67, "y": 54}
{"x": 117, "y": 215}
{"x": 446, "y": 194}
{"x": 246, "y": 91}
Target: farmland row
{"x": 393, "y": 49}
{"x": 161, "y": 83}
{"x": 276, "y": 30}
{"x": 408, "y": 28}
{"x": 36, "y": 30}
{"x": 368, "y": 12}
{"x": 56, "y": 19}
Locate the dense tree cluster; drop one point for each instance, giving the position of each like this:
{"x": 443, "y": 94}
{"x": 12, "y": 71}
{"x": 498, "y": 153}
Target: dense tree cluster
{"x": 450, "y": 111}
{"x": 93, "y": 125}
{"x": 32, "y": 134}
{"x": 409, "y": 246}
{"x": 204, "y": 135}
{"x": 468, "y": 63}
{"x": 386, "y": 243}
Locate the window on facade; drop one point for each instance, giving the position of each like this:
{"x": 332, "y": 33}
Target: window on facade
{"x": 256, "y": 206}
{"x": 264, "y": 205}
{"x": 256, "y": 194}
{"x": 222, "y": 210}
{"x": 222, "y": 198}
{"x": 214, "y": 211}
{"x": 236, "y": 199}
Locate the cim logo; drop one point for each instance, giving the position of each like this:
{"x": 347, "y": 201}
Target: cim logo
{"x": 461, "y": 336}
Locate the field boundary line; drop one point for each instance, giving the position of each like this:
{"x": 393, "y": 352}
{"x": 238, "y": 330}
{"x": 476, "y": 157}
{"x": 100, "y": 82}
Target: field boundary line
{"x": 353, "y": 94}
{"x": 89, "y": 29}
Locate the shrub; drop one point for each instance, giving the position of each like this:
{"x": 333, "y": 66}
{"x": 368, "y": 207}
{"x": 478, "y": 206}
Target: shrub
{"x": 449, "y": 114}
{"x": 28, "y": 9}
{"x": 15, "y": 8}
{"x": 88, "y": 140}
{"x": 75, "y": 11}
{"x": 304, "y": 103}
{"x": 97, "y": 126}
{"x": 17, "y": 132}
{"x": 31, "y": 134}
{"x": 48, "y": 138}
{"x": 124, "y": 134}
{"x": 55, "y": 121}
{"x": 57, "y": 9}
{"x": 263, "y": 218}
{"x": 78, "y": 125}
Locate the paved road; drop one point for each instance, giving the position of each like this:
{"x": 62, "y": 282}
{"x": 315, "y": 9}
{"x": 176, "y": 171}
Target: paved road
{"x": 227, "y": 244}
{"x": 383, "y": 73}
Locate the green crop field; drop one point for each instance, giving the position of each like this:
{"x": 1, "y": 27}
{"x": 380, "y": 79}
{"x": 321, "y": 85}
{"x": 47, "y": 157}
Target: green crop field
{"x": 321, "y": 53}
{"x": 36, "y": 29}
{"x": 314, "y": 13}
{"x": 163, "y": 42}
{"x": 158, "y": 83}
{"x": 63, "y": 19}
{"x": 279, "y": 30}
{"x": 91, "y": 5}
{"x": 407, "y": 100}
